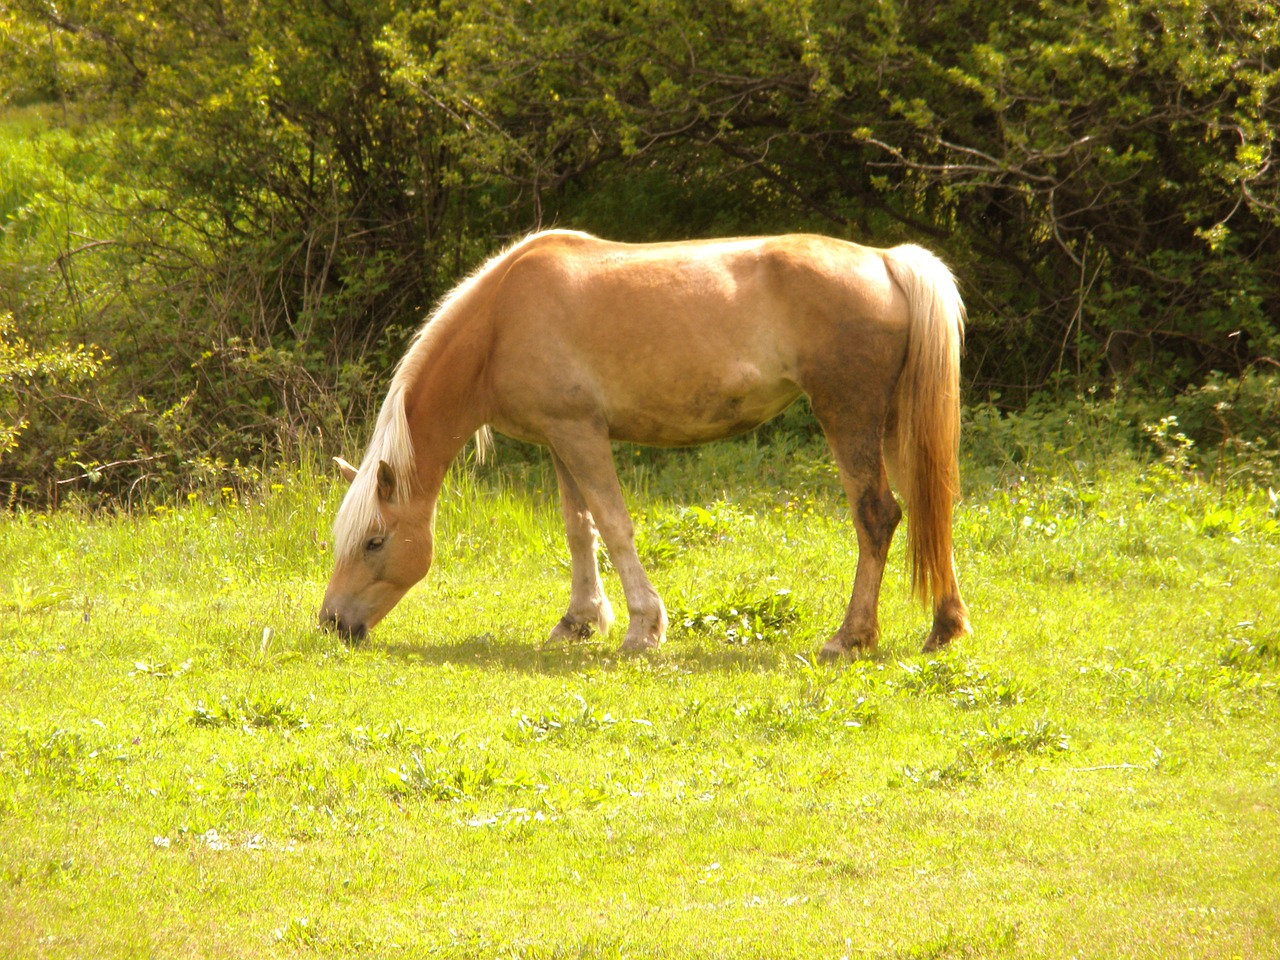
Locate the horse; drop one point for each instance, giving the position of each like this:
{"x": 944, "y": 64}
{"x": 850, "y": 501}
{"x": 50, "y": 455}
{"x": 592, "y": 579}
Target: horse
{"x": 570, "y": 341}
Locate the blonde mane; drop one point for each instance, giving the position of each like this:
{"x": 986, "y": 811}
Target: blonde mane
{"x": 392, "y": 441}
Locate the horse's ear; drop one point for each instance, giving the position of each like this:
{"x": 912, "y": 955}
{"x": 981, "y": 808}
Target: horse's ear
{"x": 386, "y": 481}
{"x": 346, "y": 469}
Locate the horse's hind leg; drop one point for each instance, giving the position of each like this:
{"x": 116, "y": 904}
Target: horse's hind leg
{"x": 588, "y": 605}
{"x": 950, "y": 615}
{"x": 588, "y": 461}
{"x": 875, "y": 518}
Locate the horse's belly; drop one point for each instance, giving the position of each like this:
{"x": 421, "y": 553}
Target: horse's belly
{"x": 679, "y": 414}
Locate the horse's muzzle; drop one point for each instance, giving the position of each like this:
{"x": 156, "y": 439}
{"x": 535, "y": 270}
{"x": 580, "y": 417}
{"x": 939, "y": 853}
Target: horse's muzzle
{"x": 350, "y": 633}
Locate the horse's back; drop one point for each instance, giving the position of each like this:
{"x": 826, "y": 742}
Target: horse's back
{"x": 680, "y": 287}
{"x": 684, "y": 342}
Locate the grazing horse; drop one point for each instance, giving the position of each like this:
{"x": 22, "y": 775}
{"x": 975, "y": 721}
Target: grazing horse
{"x": 570, "y": 341}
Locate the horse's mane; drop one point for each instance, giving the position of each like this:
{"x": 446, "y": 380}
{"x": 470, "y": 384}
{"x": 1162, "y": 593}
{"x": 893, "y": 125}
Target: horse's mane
{"x": 392, "y": 442}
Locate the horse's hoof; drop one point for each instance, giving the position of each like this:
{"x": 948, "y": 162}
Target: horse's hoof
{"x": 946, "y": 629}
{"x": 840, "y": 646}
{"x": 950, "y": 620}
{"x": 569, "y": 630}
{"x": 832, "y": 652}
{"x": 934, "y": 644}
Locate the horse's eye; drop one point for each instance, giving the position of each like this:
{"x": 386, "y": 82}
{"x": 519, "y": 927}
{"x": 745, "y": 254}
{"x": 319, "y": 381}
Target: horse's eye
{"x": 374, "y": 543}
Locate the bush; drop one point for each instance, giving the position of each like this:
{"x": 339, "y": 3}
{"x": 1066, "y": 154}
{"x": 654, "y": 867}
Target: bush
{"x": 30, "y": 376}
{"x": 1235, "y": 425}
{"x": 251, "y": 207}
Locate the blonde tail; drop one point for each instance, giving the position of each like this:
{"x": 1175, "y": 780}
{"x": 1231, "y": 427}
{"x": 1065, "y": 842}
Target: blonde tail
{"x": 928, "y": 418}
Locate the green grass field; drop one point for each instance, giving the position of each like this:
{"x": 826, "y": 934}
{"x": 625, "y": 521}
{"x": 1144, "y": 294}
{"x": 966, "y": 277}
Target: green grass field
{"x": 188, "y": 767}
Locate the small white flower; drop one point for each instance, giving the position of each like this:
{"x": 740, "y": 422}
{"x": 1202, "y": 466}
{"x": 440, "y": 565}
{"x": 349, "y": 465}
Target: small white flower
{"x": 213, "y": 841}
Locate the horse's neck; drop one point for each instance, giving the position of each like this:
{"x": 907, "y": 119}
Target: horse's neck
{"x": 444, "y": 403}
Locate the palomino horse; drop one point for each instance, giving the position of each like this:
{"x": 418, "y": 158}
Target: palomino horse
{"x": 571, "y": 341}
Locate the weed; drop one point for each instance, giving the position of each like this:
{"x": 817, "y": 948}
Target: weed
{"x": 664, "y": 536}
{"x": 804, "y": 717}
{"x": 297, "y": 931}
{"x": 962, "y": 681}
{"x": 25, "y": 598}
{"x": 1245, "y": 653}
{"x": 160, "y": 670}
{"x": 988, "y": 750}
{"x": 744, "y": 616}
{"x": 557, "y": 724}
{"x": 1233, "y": 682}
{"x": 964, "y": 769}
{"x": 1001, "y": 746}
{"x": 390, "y": 736}
{"x": 459, "y": 781}
{"x": 260, "y": 712}
{"x": 65, "y": 758}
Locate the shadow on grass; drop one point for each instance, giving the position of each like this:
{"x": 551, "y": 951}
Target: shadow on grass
{"x": 678, "y": 655}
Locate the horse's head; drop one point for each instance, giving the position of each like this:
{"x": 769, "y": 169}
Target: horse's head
{"x": 383, "y": 544}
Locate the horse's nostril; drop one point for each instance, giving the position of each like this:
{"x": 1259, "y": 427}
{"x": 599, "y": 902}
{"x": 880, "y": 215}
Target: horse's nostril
{"x": 350, "y": 633}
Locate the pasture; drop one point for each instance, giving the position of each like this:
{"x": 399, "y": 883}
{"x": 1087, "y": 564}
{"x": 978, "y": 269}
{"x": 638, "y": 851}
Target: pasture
{"x": 189, "y": 767}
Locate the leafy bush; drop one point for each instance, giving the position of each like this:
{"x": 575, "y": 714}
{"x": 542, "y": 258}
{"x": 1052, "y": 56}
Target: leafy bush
{"x": 1235, "y": 424}
{"x": 1103, "y": 179}
{"x": 1225, "y": 427}
{"x": 250, "y": 207}
{"x": 249, "y": 221}
{"x": 29, "y": 374}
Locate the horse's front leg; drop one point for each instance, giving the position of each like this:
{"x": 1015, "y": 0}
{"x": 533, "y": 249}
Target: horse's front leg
{"x": 587, "y": 460}
{"x": 588, "y": 606}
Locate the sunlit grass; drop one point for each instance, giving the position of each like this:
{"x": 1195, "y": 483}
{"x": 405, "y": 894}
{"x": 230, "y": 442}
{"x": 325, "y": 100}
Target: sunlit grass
{"x": 189, "y": 767}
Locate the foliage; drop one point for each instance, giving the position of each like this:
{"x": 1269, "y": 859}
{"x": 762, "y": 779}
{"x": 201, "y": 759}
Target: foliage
{"x": 741, "y": 616}
{"x": 250, "y": 206}
{"x": 263, "y": 226}
{"x": 23, "y": 372}
{"x": 1103, "y": 178}
{"x": 1224, "y": 428}
{"x": 1235, "y": 423}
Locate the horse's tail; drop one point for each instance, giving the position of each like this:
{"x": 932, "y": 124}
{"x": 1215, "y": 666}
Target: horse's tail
{"x": 927, "y": 424}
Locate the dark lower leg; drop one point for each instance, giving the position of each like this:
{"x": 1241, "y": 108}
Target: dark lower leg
{"x": 876, "y": 517}
{"x": 950, "y": 619}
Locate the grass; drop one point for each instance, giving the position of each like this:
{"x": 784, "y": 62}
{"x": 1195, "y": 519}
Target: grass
{"x": 30, "y": 177}
{"x": 189, "y": 768}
